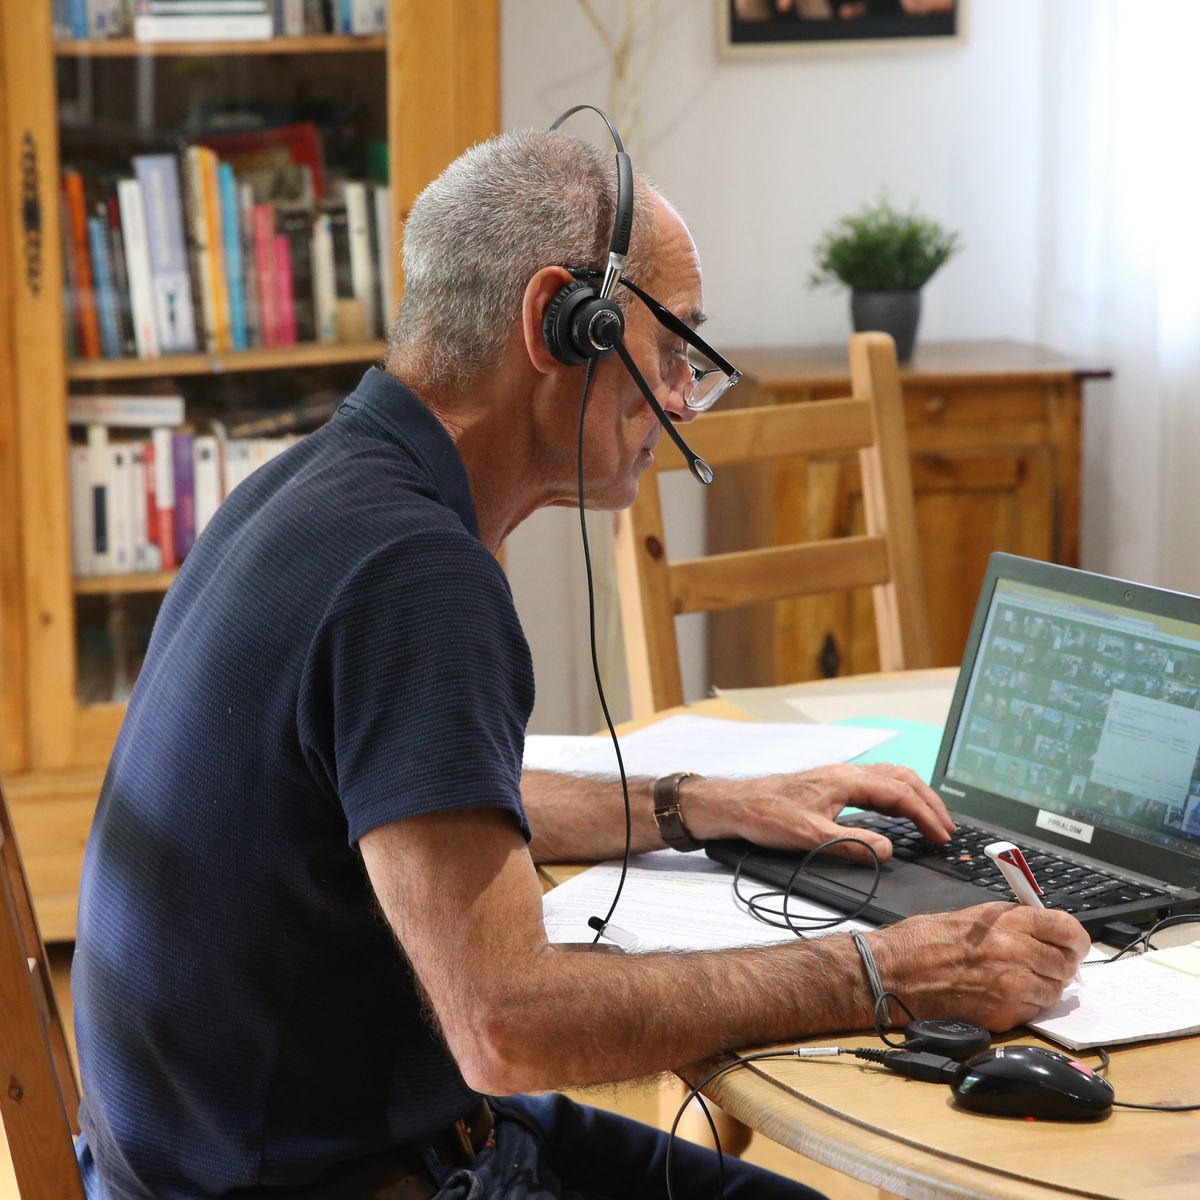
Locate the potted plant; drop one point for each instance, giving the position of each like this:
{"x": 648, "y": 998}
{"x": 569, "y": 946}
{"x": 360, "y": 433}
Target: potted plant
{"x": 884, "y": 257}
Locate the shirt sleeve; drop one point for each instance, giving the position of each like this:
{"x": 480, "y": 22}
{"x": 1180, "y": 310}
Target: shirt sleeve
{"x": 420, "y": 684}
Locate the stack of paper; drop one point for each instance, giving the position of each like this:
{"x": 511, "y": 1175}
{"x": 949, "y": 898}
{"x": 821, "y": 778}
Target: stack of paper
{"x": 706, "y": 745}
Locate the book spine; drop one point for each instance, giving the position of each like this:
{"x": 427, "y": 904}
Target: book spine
{"x": 227, "y": 28}
{"x": 207, "y": 474}
{"x": 106, "y": 296}
{"x": 296, "y": 224}
{"x": 264, "y": 253}
{"x": 77, "y": 11}
{"x": 385, "y": 259}
{"x": 137, "y": 267}
{"x": 120, "y": 510}
{"x": 345, "y": 12}
{"x": 164, "y": 496}
{"x": 361, "y": 272}
{"x": 150, "y": 505}
{"x": 139, "y": 515}
{"x": 98, "y": 483}
{"x": 82, "y": 518}
{"x": 133, "y": 412}
{"x": 215, "y": 247}
{"x": 120, "y": 276}
{"x": 193, "y": 183}
{"x": 230, "y": 218}
{"x": 324, "y": 288}
{"x": 284, "y": 295}
{"x": 158, "y": 175}
{"x": 70, "y": 283}
{"x": 185, "y": 493}
{"x": 249, "y": 266}
{"x": 87, "y": 327}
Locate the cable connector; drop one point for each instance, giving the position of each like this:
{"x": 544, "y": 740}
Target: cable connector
{"x": 930, "y": 1068}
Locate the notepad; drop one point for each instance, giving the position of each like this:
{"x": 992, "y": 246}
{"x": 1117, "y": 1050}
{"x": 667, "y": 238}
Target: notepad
{"x": 1153, "y": 995}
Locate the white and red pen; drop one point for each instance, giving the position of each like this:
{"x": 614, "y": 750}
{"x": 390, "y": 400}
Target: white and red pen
{"x": 1018, "y": 876}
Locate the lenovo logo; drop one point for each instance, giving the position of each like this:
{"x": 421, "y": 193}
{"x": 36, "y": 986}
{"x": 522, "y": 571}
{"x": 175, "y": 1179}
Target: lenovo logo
{"x": 952, "y": 791}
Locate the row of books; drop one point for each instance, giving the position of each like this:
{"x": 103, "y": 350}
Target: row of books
{"x": 139, "y": 503}
{"x": 190, "y": 254}
{"x": 216, "y": 20}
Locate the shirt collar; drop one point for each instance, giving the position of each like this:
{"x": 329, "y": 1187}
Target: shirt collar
{"x": 407, "y": 420}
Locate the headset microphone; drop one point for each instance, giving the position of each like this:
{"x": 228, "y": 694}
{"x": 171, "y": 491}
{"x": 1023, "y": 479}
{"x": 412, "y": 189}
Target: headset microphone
{"x": 583, "y": 322}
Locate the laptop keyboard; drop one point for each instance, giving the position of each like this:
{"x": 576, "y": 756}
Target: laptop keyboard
{"x": 1066, "y": 885}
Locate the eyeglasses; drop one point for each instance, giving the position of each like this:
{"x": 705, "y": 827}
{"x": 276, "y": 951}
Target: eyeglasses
{"x": 711, "y": 374}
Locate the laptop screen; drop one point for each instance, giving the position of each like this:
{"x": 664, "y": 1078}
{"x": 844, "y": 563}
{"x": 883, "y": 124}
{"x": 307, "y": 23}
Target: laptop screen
{"x": 1088, "y": 709}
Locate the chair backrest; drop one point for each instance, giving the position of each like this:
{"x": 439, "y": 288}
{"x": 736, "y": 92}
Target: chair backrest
{"x": 654, "y": 590}
{"x": 39, "y": 1097}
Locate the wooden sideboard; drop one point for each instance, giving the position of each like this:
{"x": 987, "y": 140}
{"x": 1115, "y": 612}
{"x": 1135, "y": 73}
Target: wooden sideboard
{"x": 994, "y": 430}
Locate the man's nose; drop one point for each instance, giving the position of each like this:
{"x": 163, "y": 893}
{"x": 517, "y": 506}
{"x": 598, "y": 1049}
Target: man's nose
{"x": 674, "y": 406}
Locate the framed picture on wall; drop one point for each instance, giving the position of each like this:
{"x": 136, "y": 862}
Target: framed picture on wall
{"x": 755, "y": 27}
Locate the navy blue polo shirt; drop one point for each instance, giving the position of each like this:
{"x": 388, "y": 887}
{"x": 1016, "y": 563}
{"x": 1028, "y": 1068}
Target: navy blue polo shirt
{"x": 338, "y": 651}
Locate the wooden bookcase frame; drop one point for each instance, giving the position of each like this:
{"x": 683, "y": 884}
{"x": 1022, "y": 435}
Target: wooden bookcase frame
{"x": 442, "y": 71}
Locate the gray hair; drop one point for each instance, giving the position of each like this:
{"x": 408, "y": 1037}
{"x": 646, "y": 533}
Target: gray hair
{"x": 476, "y": 235}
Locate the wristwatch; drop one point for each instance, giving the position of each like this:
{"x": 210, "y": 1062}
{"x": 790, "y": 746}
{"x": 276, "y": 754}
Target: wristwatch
{"x": 667, "y": 813}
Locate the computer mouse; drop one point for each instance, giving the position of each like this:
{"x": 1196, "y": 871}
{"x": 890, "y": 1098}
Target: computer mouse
{"x": 1027, "y": 1081}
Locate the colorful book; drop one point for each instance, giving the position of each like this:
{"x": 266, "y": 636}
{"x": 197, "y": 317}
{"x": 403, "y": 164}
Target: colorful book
{"x": 209, "y": 165}
{"x": 120, "y": 275}
{"x": 249, "y": 265}
{"x": 232, "y": 240}
{"x": 197, "y": 232}
{"x": 137, "y": 267}
{"x": 164, "y": 498}
{"x": 285, "y": 305}
{"x": 295, "y": 223}
{"x": 87, "y": 320}
{"x": 264, "y": 258}
{"x": 182, "y": 456}
{"x": 145, "y": 552}
{"x": 158, "y": 175}
{"x": 131, "y": 412}
{"x": 106, "y": 295}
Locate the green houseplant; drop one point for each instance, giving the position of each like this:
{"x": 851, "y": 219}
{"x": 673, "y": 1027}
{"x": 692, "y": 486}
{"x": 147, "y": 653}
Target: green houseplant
{"x": 884, "y": 256}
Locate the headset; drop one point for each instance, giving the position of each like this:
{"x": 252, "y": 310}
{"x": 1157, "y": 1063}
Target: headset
{"x": 583, "y": 322}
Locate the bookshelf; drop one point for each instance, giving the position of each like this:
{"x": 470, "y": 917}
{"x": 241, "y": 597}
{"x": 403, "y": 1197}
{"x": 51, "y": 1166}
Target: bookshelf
{"x": 428, "y": 87}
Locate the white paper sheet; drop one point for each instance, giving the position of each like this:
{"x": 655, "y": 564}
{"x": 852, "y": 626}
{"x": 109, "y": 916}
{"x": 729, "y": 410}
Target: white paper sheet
{"x": 1131, "y": 1000}
{"x": 671, "y": 901}
{"x": 707, "y": 745}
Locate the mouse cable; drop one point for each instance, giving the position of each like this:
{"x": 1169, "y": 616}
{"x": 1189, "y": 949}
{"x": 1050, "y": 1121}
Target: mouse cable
{"x": 1103, "y": 1068}
{"x": 600, "y": 924}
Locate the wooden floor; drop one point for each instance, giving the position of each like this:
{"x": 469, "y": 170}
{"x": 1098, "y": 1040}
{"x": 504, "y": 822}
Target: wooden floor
{"x": 640, "y": 1102}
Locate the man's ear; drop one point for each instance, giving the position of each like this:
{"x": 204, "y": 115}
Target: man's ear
{"x": 539, "y": 291}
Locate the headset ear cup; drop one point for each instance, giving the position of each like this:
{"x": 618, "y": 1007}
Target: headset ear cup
{"x": 557, "y": 324}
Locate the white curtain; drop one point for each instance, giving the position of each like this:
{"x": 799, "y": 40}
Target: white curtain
{"x": 1120, "y": 276}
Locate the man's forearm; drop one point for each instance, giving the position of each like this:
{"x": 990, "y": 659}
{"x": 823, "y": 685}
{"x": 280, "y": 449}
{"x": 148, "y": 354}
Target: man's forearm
{"x": 581, "y": 1017}
{"x": 576, "y": 819}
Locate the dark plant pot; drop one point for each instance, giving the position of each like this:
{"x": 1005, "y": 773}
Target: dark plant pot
{"x": 896, "y": 313}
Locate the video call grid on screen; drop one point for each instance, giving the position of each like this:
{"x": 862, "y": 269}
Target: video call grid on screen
{"x": 1086, "y": 709}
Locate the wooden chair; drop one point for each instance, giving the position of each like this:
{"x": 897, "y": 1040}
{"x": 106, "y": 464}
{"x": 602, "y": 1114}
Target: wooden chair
{"x": 39, "y": 1097}
{"x": 654, "y": 590}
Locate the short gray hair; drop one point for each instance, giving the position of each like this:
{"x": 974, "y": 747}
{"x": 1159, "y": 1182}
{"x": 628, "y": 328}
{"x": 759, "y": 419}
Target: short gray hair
{"x": 476, "y": 235}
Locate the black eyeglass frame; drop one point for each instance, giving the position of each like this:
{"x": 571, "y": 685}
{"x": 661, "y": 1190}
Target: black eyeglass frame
{"x": 668, "y": 320}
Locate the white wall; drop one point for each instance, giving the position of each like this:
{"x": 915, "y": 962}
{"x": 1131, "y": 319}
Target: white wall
{"x": 761, "y": 156}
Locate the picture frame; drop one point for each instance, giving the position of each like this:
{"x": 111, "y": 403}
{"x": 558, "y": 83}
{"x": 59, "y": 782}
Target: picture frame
{"x": 759, "y": 28}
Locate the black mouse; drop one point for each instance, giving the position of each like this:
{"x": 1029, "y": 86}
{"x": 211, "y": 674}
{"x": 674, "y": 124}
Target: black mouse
{"x": 1027, "y": 1081}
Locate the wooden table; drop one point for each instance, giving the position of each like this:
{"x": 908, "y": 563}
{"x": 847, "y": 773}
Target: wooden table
{"x": 994, "y": 432}
{"x": 907, "y": 1138}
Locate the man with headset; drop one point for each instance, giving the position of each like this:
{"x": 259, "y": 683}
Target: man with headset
{"x": 310, "y": 936}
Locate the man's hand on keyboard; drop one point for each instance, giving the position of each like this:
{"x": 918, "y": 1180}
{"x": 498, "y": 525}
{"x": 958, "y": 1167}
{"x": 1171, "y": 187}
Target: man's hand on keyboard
{"x": 996, "y": 964}
{"x": 799, "y": 811}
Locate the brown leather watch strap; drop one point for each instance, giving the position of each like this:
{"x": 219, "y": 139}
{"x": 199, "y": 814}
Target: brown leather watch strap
{"x": 667, "y": 813}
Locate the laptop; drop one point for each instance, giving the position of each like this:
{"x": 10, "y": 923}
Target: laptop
{"x": 1075, "y": 733}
